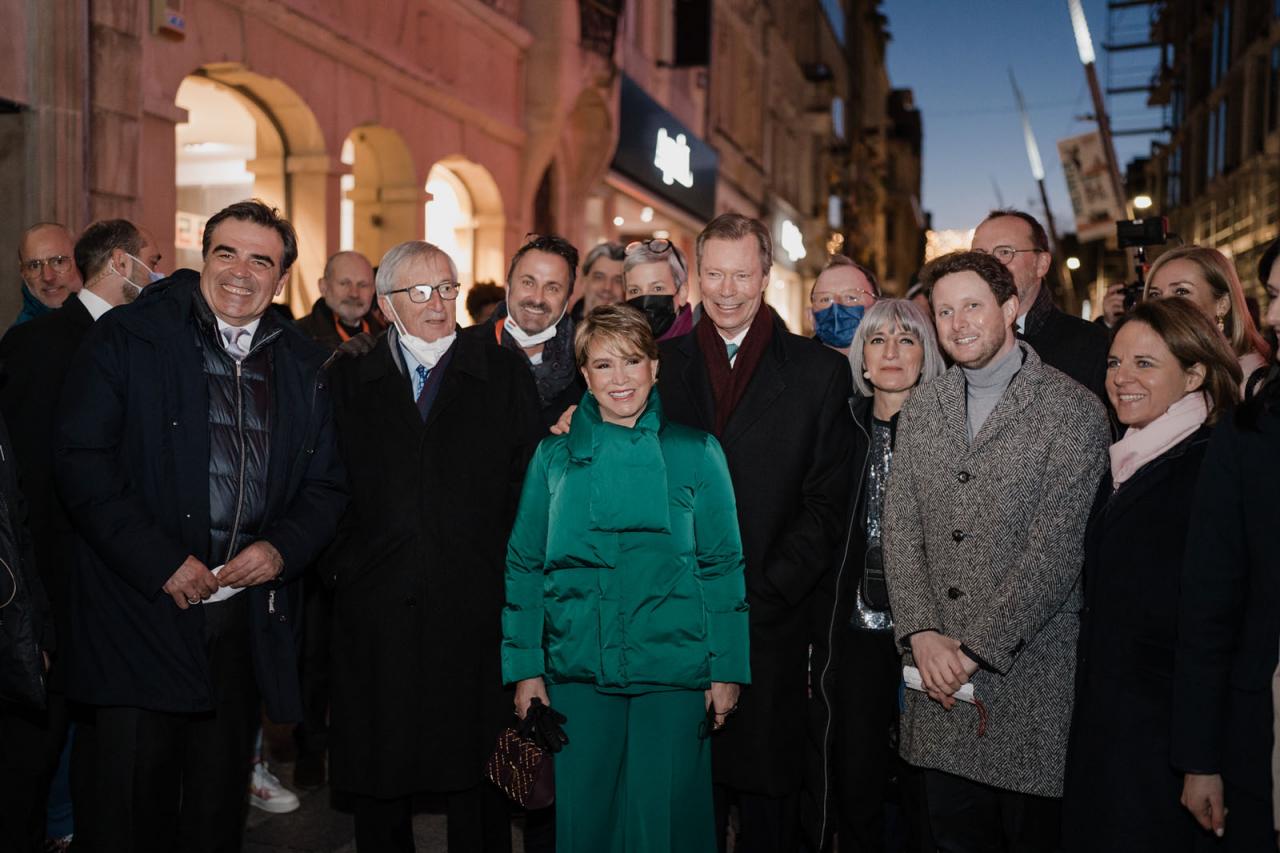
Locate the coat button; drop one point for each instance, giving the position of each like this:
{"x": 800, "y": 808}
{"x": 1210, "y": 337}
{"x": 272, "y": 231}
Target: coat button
{"x": 963, "y": 476}
{"x": 410, "y": 602}
{"x": 282, "y": 617}
{"x": 954, "y": 593}
{"x": 957, "y": 535}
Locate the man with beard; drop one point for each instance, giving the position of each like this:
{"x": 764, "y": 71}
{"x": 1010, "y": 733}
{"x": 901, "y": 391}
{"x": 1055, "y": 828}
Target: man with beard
{"x": 602, "y": 277}
{"x": 346, "y": 295}
{"x": 35, "y": 358}
{"x": 194, "y": 453}
{"x": 49, "y": 273}
{"x": 994, "y": 471}
{"x": 1074, "y": 346}
{"x": 656, "y": 280}
{"x": 536, "y": 323}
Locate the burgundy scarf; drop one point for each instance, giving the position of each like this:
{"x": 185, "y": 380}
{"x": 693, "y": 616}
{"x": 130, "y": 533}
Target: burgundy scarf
{"x": 729, "y": 384}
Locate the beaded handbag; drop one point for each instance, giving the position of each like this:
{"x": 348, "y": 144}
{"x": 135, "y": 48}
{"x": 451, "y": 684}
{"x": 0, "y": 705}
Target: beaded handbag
{"x": 523, "y": 770}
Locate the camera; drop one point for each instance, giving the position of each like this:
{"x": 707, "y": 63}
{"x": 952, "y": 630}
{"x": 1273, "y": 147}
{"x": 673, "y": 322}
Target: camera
{"x": 1139, "y": 234}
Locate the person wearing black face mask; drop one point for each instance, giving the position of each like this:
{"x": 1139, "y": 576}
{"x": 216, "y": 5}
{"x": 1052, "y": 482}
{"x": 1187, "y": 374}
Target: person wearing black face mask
{"x": 655, "y": 278}
{"x": 843, "y": 291}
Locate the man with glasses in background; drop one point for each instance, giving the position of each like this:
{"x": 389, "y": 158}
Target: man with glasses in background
{"x": 46, "y": 260}
{"x": 656, "y": 284}
{"x": 842, "y": 293}
{"x": 436, "y": 429}
{"x": 1074, "y": 346}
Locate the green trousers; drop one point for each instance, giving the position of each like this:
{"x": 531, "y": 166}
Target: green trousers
{"x": 634, "y": 777}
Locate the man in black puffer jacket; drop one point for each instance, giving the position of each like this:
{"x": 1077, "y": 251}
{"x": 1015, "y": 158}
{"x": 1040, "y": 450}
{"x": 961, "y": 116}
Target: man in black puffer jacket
{"x": 195, "y": 455}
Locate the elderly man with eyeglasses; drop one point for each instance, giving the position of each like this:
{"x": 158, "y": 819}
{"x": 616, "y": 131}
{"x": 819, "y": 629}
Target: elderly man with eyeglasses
{"x": 46, "y": 261}
{"x": 1072, "y": 345}
{"x": 436, "y": 429}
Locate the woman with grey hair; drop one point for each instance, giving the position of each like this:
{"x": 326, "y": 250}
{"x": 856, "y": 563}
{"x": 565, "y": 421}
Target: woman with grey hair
{"x": 655, "y": 279}
{"x": 893, "y": 352}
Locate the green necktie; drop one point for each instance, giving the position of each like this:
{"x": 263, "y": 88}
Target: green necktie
{"x": 731, "y": 350}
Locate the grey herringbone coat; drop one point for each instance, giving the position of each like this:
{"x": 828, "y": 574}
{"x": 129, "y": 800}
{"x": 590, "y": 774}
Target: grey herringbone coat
{"x": 984, "y": 543}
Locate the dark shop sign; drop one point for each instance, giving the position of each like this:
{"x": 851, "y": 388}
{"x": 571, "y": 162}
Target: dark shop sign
{"x": 662, "y": 155}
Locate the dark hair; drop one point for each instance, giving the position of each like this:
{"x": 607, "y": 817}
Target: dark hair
{"x": 1039, "y": 238}
{"x": 259, "y": 213}
{"x": 551, "y": 244}
{"x": 612, "y": 251}
{"x": 990, "y": 270}
{"x": 845, "y": 261}
{"x": 1193, "y": 339}
{"x": 100, "y": 239}
{"x": 735, "y": 226}
{"x": 621, "y": 325}
{"x": 1268, "y": 260}
{"x": 481, "y": 295}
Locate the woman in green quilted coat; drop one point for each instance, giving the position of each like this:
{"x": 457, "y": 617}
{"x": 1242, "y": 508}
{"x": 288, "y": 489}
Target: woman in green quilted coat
{"x": 626, "y": 607}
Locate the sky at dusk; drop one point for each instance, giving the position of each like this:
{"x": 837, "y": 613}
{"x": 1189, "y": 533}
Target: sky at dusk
{"x": 956, "y": 55}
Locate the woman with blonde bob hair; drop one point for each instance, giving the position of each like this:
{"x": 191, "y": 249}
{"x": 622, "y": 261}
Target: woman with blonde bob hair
{"x": 626, "y": 604}
{"x": 893, "y": 352}
{"x": 1208, "y": 280}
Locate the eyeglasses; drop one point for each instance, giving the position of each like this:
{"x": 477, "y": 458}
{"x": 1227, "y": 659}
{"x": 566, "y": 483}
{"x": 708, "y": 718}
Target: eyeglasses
{"x": 420, "y": 293}
{"x": 658, "y": 246}
{"x": 33, "y": 267}
{"x": 851, "y": 298}
{"x": 1005, "y": 254}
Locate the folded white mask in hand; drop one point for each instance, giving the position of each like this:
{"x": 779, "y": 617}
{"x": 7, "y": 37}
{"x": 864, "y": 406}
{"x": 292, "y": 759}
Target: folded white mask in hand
{"x": 911, "y": 676}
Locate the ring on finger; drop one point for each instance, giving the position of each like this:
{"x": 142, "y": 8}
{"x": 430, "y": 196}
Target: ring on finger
{"x": 191, "y": 599}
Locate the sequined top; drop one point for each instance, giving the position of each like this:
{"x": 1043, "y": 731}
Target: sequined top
{"x": 879, "y": 458}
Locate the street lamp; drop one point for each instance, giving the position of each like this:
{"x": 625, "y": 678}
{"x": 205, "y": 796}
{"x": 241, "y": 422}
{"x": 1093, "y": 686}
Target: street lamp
{"x": 1084, "y": 45}
{"x": 1080, "y": 26}
{"x": 1142, "y": 202}
{"x": 1073, "y": 263}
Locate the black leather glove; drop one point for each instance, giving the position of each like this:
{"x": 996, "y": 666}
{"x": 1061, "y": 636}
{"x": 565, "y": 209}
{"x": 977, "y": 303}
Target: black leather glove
{"x": 360, "y": 344}
{"x": 541, "y": 724}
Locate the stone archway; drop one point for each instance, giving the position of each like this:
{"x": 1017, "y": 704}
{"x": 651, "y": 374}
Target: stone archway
{"x": 489, "y": 219}
{"x": 385, "y": 195}
{"x": 290, "y": 167}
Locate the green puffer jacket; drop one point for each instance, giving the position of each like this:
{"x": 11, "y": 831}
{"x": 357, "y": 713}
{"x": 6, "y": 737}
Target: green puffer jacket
{"x": 625, "y": 565}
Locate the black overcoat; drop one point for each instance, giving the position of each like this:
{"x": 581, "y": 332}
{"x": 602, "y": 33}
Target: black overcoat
{"x": 418, "y": 566}
{"x": 1229, "y": 614}
{"x": 131, "y": 462}
{"x": 1076, "y": 347}
{"x": 788, "y": 444}
{"x": 34, "y": 358}
{"x": 1121, "y": 791}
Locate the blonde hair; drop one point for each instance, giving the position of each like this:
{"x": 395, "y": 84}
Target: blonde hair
{"x": 1220, "y": 274}
{"x": 620, "y": 326}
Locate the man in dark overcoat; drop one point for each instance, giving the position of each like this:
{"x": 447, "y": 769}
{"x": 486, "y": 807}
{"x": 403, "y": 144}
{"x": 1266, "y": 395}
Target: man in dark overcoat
{"x": 195, "y": 456}
{"x": 777, "y": 402}
{"x": 436, "y": 429}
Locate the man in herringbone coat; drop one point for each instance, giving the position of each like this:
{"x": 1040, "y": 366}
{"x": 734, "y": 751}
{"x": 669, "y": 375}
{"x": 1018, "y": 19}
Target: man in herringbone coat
{"x": 995, "y": 469}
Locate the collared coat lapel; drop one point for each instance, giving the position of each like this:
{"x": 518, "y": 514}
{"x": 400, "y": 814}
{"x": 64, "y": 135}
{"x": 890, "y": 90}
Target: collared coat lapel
{"x": 763, "y": 389}
{"x": 693, "y": 375}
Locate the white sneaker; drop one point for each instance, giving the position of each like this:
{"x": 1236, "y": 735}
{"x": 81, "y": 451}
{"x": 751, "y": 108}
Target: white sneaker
{"x": 266, "y": 792}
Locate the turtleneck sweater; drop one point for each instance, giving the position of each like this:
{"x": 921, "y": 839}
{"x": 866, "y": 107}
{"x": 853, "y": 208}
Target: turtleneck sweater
{"x": 985, "y": 385}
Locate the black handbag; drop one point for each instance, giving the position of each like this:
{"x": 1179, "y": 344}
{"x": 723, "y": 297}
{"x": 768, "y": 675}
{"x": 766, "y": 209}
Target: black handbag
{"x": 522, "y": 770}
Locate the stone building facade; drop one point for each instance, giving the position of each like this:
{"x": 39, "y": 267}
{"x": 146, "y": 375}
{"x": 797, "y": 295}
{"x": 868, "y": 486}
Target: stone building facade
{"x": 469, "y": 122}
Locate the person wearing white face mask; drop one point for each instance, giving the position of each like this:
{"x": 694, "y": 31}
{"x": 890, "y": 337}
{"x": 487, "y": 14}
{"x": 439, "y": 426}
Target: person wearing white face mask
{"x": 436, "y": 429}
{"x": 36, "y": 356}
{"x": 536, "y": 324}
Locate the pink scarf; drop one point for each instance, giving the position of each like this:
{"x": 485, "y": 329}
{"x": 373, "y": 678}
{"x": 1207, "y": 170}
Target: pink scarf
{"x": 1141, "y": 445}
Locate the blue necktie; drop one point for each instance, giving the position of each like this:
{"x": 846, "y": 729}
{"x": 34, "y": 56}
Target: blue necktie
{"x": 421, "y": 381}
{"x": 731, "y": 350}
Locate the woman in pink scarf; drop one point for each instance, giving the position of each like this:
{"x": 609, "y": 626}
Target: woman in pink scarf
{"x": 1170, "y": 374}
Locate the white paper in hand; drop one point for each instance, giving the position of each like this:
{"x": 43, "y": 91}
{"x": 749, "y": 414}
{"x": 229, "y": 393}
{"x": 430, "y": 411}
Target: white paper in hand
{"x": 911, "y": 676}
{"x": 225, "y": 592}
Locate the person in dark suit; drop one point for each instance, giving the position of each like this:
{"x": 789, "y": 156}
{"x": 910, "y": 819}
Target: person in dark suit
{"x": 346, "y": 297}
{"x": 1076, "y": 347}
{"x": 778, "y": 404}
{"x": 194, "y": 453}
{"x": 535, "y": 324}
{"x": 418, "y": 563}
{"x": 1229, "y": 628}
{"x": 1170, "y": 376}
{"x": 35, "y": 357}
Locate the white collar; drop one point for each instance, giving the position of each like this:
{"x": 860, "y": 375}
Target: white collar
{"x": 736, "y": 339}
{"x": 251, "y": 327}
{"x": 94, "y": 304}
